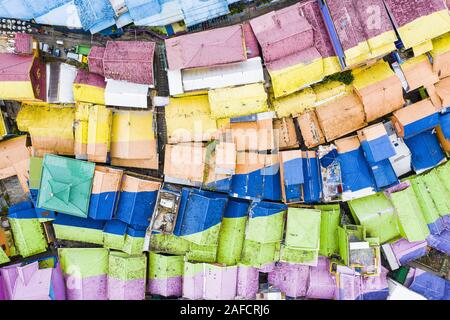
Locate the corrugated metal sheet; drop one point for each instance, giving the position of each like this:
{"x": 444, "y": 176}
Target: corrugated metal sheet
{"x": 197, "y": 11}
{"x": 125, "y": 94}
{"x": 250, "y": 71}
{"x": 95, "y": 15}
{"x": 238, "y": 101}
{"x": 205, "y": 49}
{"x": 123, "y": 58}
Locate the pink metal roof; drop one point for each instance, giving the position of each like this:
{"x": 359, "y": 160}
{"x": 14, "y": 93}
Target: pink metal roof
{"x": 89, "y": 78}
{"x": 282, "y": 33}
{"x": 95, "y": 59}
{"x": 14, "y": 67}
{"x": 207, "y": 48}
{"x": 304, "y": 57}
{"x": 251, "y": 43}
{"x": 130, "y": 61}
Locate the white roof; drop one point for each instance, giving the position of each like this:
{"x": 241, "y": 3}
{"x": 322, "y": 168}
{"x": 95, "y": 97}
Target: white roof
{"x": 400, "y": 292}
{"x": 126, "y": 94}
{"x": 60, "y": 79}
{"x": 233, "y": 74}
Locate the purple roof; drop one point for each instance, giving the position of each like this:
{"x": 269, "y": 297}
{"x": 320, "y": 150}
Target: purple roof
{"x": 89, "y": 78}
{"x": 207, "y": 48}
{"x": 405, "y": 11}
{"x": 14, "y": 67}
{"x": 95, "y": 60}
{"x": 130, "y": 61}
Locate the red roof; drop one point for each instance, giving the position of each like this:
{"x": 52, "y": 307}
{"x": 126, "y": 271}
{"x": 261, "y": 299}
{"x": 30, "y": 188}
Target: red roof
{"x": 95, "y": 59}
{"x": 14, "y": 67}
{"x": 207, "y": 48}
{"x": 130, "y": 61}
{"x": 89, "y": 78}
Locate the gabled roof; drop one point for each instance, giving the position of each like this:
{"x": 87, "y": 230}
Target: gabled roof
{"x": 14, "y": 67}
{"x": 207, "y": 48}
{"x": 404, "y": 12}
{"x": 282, "y": 33}
{"x": 122, "y": 60}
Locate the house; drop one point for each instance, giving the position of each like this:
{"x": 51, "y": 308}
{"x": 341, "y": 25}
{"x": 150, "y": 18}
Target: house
{"x": 121, "y": 59}
{"x": 106, "y": 186}
{"x": 357, "y": 176}
{"x": 29, "y": 238}
{"x": 127, "y": 276}
{"x": 209, "y": 166}
{"x": 60, "y": 81}
{"x": 22, "y": 78}
{"x": 264, "y": 234}
{"x": 355, "y": 36}
{"x": 247, "y": 282}
{"x": 291, "y": 279}
{"x": 133, "y": 140}
{"x": 379, "y": 88}
{"x": 31, "y": 282}
{"x": 50, "y": 128}
{"x": 410, "y": 19}
{"x": 257, "y": 176}
{"x": 302, "y": 237}
{"x": 232, "y": 232}
{"x": 400, "y": 252}
{"x": 137, "y": 200}
{"x": 209, "y": 281}
{"x": 295, "y": 46}
{"x": 86, "y": 272}
{"x": 233, "y": 102}
{"x": 199, "y": 221}
{"x": 15, "y": 160}
{"x": 89, "y": 87}
{"x": 189, "y": 119}
{"x": 79, "y": 229}
{"x": 66, "y": 185}
{"x": 341, "y": 114}
{"x": 114, "y": 233}
{"x": 330, "y": 217}
{"x": 165, "y": 274}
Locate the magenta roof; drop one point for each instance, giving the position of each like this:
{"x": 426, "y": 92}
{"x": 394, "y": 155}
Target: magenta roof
{"x": 207, "y": 48}
{"x": 304, "y": 56}
{"x": 14, "y": 67}
{"x": 130, "y": 61}
{"x": 322, "y": 42}
{"x": 251, "y": 43}
{"x": 282, "y": 33}
{"x": 95, "y": 59}
{"x": 23, "y": 43}
{"x": 353, "y": 20}
{"x": 405, "y": 11}
{"x": 89, "y": 78}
